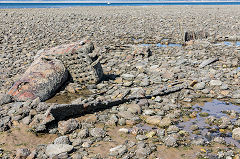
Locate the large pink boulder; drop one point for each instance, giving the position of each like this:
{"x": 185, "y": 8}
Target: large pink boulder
{"x": 41, "y": 79}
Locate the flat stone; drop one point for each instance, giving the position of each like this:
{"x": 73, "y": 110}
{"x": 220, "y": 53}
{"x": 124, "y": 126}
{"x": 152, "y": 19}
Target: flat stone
{"x": 5, "y": 98}
{"x": 128, "y": 77}
{"x": 118, "y": 150}
{"x": 55, "y": 149}
{"x": 207, "y": 62}
{"x": 5, "y": 123}
{"x": 200, "y": 86}
{"x": 124, "y": 130}
{"x": 154, "y": 120}
{"x": 62, "y": 140}
{"x": 215, "y": 83}
{"x": 170, "y": 141}
{"x": 141, "y": 137}
{"x": 97, "y": 132}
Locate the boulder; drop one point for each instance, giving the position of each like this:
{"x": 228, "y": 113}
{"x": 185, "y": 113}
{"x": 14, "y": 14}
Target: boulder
{"x": 42, "y": 79}
{"x": 51, "y": 68}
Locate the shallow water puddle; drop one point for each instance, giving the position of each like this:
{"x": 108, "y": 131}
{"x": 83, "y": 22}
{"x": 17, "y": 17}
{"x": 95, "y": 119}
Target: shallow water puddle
{"x": 163, "y": 45}
{"x": 67, "y": 98}
{"x": 216, "y": 109}
{"x": 229, "y": 43}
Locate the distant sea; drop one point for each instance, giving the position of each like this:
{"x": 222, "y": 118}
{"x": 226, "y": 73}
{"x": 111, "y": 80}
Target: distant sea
{"x": 76, "y": 4}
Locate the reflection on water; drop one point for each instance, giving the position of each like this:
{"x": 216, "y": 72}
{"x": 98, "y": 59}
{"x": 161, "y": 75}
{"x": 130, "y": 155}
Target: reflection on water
{"x": 216, "y": 109}
{"x": 229, "y": 43}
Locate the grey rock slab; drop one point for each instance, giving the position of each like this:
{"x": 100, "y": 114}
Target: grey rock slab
{"x": 141, "y": 137}
{"x": 62, "y": 140}
{"x": 134, "y": 108}
{"x": 148, "y": 112}
{"x": 5, "y": 98}
{"x": 55, "y": 149}
{"x": 143, "y": 152}
{"x": 97, "y": 132}
{"x": 22, "y": 153}
{"x": 84, "y": 133}
{"x": 5, "y": 123}
{"x": 170, "y": 141}
{"x": 128, "y": 77}
{"x": 215, "y": 83}
{"x": 207, "y": 62}
{"x": 118, "y": 150}
{"x": 200, "y": 86}
{"x": 199, "y": 141}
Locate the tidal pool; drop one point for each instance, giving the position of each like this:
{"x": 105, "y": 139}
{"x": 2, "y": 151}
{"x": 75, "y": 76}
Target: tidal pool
{"x": 229, "y": 43}
{"x": 214, "y": 108}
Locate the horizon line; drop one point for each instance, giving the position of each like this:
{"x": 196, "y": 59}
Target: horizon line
{"x": 107, "y": 1}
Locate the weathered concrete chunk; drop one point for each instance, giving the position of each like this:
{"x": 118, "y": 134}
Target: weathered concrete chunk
{"x": 194, "y": 35}
{"x": 80, "y": 59}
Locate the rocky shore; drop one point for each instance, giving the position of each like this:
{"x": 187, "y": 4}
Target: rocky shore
{"x": 170, "y": 87}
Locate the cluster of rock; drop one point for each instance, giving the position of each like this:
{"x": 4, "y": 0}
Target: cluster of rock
{"x": 137, "y": 110}
{"x": 51, "y": 68}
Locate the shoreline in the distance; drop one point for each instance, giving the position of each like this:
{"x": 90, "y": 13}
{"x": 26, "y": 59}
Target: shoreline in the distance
{"x": 117, "y": 1}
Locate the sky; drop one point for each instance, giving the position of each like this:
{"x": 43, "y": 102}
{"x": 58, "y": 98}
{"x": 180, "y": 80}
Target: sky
{"x": 120, "y": 0}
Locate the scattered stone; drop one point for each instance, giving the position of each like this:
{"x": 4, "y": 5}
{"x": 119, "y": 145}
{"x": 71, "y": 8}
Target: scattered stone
{"x": 236, "y": 133}
{"x": 97, "y": 132}
{"x": 215, "y": 83}
{"x": 22, "y": 153}
{"x": 5, "y": 98}
{"x": 5, "y": 123}
{"x": 141, "y": 137}
{"x": 143, "y": 152}
{"x": 65, "y": 127}
{"x": 124, "y": 130}
{"x": 62, "y": 140}
{"x": 55, "y": 149}
{"x": 170, "y": 141}
{"x": 207, "y": 62}
{"x": 118, "y": 151}
{"x": 200, "y": 86}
